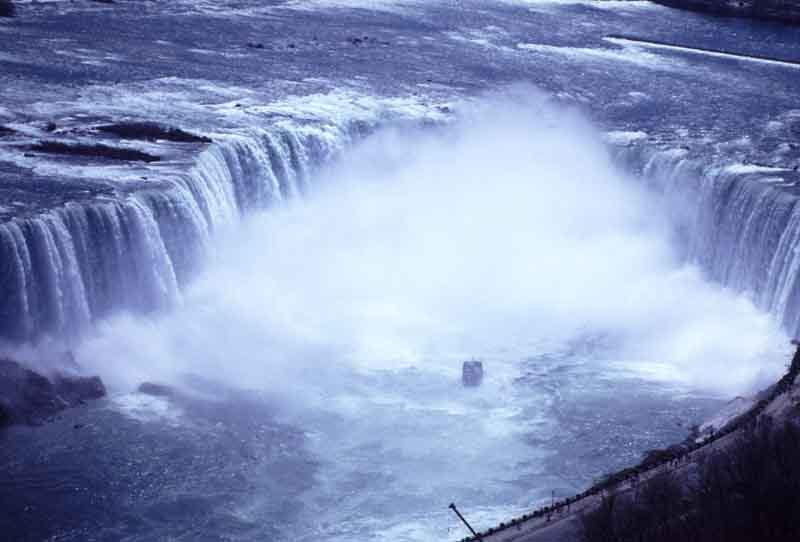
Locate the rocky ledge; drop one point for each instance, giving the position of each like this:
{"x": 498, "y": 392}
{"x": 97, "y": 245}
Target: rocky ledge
{"x": 787, "y": 11}
{"x": 29, "y": 397}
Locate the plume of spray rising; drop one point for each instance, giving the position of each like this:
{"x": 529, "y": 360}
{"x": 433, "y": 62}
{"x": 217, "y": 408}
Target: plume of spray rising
{"x": 504, "y": 234}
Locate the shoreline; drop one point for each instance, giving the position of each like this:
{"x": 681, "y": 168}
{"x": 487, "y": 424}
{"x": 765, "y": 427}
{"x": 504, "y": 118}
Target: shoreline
{"x": 560, "y": 521}
{"x": 787, "y": 12}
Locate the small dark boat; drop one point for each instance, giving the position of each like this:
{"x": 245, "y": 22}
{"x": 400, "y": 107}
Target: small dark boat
{"x": 472, "y": 373}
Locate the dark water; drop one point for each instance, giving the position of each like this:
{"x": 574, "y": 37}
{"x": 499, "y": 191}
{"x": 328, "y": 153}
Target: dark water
{"x": 141, "y": 468}
{"x": 98, "y": 474}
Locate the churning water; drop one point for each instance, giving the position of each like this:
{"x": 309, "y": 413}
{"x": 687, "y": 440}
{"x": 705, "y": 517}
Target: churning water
{"x": 507, "y": 234}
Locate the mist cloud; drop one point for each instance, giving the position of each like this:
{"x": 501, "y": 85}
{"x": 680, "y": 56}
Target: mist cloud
{"x": 505, "y": 233}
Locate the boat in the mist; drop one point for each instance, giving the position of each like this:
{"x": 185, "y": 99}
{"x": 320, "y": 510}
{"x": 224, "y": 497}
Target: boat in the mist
{"x": 472, "y": 373}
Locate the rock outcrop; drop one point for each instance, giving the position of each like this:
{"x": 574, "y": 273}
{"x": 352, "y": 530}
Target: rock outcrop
{"x": 93, "y": 151}
{"x": 151, "y": 131}
{"x": 778, "y": 10}
{"x": 7, "y": 8}
{"x": 28, "y": 397}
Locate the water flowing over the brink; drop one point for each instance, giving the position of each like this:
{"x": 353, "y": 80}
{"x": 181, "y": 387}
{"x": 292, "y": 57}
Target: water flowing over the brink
{"x": 63, "y": 269}
{"x": 739, "y": 223}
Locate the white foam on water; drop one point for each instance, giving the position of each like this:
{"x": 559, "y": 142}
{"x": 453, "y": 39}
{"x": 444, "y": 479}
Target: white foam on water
{"x": 146, "y": 408}
{"x": 701, "y": 52}
{"x": 621, "y": 137}
{"x": 396, "y": 6}
{"x": 611, "y": 5}
{"x": 343, "y": 105}
{"x": 628, "y": 54}
{"x": 753, "y": 168}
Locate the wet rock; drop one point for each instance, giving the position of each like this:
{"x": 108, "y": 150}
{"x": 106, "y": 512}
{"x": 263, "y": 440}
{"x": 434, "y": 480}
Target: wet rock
{"x": 28, "y": 397}
{"x": 253, "y": 45}
{"x": 75, "y": 390}
{"x": 7, "y": 8}
{"x": 150, "y": 131}
{"x": 93, "y": 151}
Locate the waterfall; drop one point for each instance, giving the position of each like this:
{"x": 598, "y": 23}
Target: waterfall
{"x": 69, "y": 266}
{"x": 740, "y": 224}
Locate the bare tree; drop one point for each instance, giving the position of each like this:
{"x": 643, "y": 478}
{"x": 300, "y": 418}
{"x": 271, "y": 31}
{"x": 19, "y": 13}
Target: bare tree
{"x": 748, "y": 491}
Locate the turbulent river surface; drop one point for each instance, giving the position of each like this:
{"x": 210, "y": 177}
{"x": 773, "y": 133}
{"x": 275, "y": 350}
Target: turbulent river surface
{"x": 579, "y": 193}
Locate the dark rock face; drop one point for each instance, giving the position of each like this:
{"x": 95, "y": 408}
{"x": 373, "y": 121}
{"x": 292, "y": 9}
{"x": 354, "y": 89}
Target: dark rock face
{"x": 779, "y": 10}
{"x": 6, "y": 8}
{"x": 150, "y": 131}
{"x": 30, "y": 398}
{"x": 93, "y": 151}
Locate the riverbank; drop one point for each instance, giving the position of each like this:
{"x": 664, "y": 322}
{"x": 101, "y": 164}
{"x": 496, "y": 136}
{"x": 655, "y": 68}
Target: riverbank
{"x": 787, "y": 11}
{"x": 566, "y": 519}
